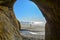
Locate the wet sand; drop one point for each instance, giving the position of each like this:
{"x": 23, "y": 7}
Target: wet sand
{"x": 33, "y": 32}
{"x": 32, "y": 35}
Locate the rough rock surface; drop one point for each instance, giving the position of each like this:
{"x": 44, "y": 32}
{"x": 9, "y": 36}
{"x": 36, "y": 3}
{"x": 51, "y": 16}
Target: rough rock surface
{"x": 51, "y": 11}
{"x": 9, "y": 25}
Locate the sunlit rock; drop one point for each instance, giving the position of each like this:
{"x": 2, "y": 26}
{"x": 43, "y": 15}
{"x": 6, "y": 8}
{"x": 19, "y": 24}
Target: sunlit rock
{"x": 9, "y": 25}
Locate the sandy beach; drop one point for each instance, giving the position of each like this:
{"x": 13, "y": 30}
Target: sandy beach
{"x": 33, "y": 32}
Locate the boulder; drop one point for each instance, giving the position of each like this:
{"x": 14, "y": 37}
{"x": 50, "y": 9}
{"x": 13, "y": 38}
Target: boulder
{"x": 51, "y": 11}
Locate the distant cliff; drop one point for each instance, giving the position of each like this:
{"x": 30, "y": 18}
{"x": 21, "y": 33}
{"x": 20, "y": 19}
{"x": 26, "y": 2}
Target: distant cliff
{"x": 9, "y": 25}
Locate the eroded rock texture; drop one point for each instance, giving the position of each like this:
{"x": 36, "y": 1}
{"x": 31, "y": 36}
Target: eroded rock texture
{"x": 9, "y": 25}
{"x": 51, "y": 11}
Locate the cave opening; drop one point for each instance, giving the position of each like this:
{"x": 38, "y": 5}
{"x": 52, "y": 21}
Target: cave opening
{"x": 31, "y": 19}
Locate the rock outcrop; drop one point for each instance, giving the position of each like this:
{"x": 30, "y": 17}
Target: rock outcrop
{"x": 9, "y": 25}
{"x": 51, "y": 11}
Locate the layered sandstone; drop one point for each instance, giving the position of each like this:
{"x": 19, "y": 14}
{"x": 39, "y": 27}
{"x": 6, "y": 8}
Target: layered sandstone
{"x": 51, "y": 11}
{"x": 9, "y": 25}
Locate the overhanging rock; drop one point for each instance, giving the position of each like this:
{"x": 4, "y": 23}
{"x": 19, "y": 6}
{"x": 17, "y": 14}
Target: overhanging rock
{"x": 51, "y": 11}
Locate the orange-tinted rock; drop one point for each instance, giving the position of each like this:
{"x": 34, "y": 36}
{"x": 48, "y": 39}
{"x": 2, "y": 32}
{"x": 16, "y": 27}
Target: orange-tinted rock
{"x": 51, "y": 11}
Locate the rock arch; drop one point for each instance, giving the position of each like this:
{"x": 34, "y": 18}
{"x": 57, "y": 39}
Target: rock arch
{"x": 51, "y": 12}
{"x": 9, "y": 30}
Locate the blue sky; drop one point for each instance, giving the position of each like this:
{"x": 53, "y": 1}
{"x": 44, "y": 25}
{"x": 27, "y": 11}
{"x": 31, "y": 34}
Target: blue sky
{"x": 26, "y": 10}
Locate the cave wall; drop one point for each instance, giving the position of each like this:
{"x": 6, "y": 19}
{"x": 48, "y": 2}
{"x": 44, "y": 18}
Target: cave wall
{"x": 9, "y": 25}
{"x": 51, "y": 11}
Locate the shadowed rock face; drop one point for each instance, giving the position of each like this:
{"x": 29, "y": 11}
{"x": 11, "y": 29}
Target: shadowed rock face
{"x": 9, "y": 25}
{"x": 7, "y": 3}
{"x": 51, "y": 11}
